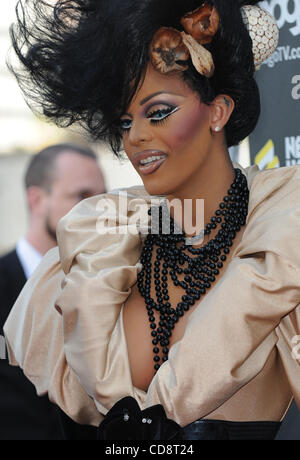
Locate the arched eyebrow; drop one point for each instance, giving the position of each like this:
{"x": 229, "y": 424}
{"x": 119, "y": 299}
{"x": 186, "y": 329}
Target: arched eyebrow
{"x": 156, "y": 94}
{"x": 151, "y": 96}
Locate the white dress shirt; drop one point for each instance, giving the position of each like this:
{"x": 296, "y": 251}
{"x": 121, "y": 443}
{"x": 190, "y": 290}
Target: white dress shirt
{"x": 29, "y": 257}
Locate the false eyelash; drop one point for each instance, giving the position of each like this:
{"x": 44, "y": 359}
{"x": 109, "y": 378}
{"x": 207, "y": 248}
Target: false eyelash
{"x": 124, "y": 130}
{"x": 167, "y": 113}
{"x": 154, "y": 122}
{"x": 160, "y": 122}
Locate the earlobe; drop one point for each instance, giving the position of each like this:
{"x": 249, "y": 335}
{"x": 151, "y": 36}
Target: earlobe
{"x": 35, "y": 197}
{"x": 222, "y": 108}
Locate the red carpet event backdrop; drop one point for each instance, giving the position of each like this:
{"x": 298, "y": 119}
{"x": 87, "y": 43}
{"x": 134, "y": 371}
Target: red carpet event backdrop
{"x": 276, "y": 140}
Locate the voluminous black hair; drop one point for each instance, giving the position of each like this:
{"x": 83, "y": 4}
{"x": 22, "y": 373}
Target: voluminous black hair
{"x": 80, "y": 57}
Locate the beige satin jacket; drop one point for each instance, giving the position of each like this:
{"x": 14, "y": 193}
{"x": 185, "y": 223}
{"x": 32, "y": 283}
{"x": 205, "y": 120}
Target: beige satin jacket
{"x": 239, "y": 358}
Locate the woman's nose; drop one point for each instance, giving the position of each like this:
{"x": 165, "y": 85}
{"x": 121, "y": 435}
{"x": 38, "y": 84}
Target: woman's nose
{"x": 140, "y": 132}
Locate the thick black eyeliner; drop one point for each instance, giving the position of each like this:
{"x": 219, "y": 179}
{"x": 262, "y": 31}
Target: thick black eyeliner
{"x": 170, "y": 109}
{"x": 167, "y": 110}
{"x": 153, "y": 104}
{"x": 161, "y": 120}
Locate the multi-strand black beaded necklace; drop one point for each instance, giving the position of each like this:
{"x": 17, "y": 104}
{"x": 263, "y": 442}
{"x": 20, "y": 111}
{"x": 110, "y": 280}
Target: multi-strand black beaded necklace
{"x": 198, "y": 271}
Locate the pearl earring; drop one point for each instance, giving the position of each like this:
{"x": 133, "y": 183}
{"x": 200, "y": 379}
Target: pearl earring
{"x": 217, "y": 129}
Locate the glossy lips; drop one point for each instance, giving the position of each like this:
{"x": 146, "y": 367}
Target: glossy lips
{"x": 149, "y": 161}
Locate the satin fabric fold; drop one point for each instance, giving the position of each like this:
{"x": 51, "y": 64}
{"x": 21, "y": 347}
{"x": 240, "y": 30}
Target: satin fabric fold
{"x": 66, "y": 329}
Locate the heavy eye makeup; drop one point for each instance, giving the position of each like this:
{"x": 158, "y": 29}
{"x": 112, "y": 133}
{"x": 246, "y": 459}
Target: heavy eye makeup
{"x": 157, "y": 113}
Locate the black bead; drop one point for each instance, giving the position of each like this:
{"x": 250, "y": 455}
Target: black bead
{"x": 202, "y": 264}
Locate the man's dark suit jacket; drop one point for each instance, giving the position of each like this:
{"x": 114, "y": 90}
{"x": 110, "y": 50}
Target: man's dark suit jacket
{"x": 24, "y": 415}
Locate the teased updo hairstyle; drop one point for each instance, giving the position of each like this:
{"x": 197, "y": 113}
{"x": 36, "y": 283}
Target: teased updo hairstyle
{"x": 80, "y": 57}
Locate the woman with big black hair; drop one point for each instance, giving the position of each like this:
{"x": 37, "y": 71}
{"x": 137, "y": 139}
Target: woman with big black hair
{"x": 142, "y": 332}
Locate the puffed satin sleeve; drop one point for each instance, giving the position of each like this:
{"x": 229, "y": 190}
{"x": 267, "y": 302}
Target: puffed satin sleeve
{"x": 288, "y": 345}
{"x": 34, "y": 336}
{"x": 65, "y": 330}
{"x": 100, "y": 251}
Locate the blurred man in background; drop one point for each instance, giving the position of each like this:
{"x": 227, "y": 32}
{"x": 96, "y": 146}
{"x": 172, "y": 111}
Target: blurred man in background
{"x": 56, "y": 179}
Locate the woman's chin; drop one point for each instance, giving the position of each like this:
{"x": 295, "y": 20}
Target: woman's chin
{"x": 157, "y": 189}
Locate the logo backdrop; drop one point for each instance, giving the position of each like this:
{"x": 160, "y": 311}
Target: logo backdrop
{"x": 276, "y": 139}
